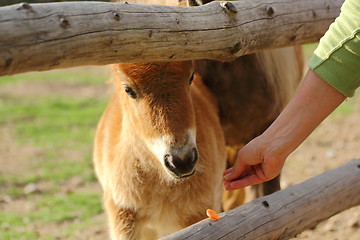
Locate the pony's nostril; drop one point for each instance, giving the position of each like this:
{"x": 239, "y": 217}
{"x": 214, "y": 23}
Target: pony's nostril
{"x": 168, "y": 162}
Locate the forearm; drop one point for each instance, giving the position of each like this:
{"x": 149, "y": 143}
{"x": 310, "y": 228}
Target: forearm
{"x": 313, "y": 102}
{"x": 262, "y": 158}
{"x": 336, "y": 60}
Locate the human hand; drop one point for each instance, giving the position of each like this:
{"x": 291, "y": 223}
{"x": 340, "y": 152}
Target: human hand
{"x": 256, "y": 162}
{"x": 263, "y": 158}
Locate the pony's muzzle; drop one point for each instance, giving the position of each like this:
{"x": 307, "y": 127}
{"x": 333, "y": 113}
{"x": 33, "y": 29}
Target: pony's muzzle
{"x": 182, "y": 167}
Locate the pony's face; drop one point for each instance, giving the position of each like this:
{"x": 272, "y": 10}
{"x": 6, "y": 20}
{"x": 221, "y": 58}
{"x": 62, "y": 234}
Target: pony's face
{"x": 159, "y": 108}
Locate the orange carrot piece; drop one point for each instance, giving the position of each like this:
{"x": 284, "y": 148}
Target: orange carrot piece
{"x": 212, "y": 215}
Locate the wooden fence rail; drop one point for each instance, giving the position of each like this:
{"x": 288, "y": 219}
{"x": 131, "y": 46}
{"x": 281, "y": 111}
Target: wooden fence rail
{"x": 286, "y": 213}
{"x": 36, "y": 37}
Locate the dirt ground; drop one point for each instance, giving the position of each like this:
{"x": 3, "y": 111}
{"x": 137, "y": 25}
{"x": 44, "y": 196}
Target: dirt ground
{"x": 334, "y": 143}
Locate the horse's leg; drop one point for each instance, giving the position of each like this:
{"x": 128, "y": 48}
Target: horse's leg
{"x": 121, "y": 220}
{"x": 234, "y": 198}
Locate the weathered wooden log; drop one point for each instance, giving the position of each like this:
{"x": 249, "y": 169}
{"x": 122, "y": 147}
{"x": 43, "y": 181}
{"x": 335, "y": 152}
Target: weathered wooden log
{"x": 57, "y": 35}
{"x": 286, "y": 213}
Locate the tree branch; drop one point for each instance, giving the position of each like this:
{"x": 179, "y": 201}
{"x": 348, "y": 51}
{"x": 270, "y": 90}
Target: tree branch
{"x": 286, "y": 213}
{"x": 58, "y": 35}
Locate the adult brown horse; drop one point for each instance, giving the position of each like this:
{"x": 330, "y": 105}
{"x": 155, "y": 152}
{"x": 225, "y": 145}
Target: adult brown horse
{"x": 251, "y": 92}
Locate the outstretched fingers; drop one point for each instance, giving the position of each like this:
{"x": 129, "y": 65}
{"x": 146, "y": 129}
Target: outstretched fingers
{"x": 235, "y": 172}
{"x": 252, "y": 175}
{"x": 243, "y": 182}
{"x": 226, "y": 172}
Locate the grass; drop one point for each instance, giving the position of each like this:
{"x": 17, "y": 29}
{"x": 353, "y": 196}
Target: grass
{"x": 78, "y": 75}
{"x": 59, "y": 210}
{"x": 63, "y": 128}
{"x": 57, "y": 126}
{"x": 58, "y": 122}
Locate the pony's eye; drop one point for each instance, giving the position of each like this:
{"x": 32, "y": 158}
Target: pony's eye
{"x": 191, "y": 78}
{"x": 130, "y": 92}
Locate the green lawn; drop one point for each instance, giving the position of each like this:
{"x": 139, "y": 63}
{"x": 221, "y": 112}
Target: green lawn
{"x": 60, "y": 130}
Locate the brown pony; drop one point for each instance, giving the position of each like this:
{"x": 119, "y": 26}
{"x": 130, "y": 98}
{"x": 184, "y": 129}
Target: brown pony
{"x": 159, "y": 150}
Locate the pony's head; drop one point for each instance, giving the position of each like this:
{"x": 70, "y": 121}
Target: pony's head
{"x": 158, "y": 107}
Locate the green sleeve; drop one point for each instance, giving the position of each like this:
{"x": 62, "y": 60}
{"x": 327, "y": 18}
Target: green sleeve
{"x": 337, "y": 58}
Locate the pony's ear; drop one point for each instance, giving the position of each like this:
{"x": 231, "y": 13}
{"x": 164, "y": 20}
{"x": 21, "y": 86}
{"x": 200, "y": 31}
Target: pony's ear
{"x": 196, "y": 2}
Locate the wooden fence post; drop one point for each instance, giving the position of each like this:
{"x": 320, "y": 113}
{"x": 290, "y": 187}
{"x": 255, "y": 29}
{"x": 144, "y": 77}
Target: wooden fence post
{"x": 35, "y": 37}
